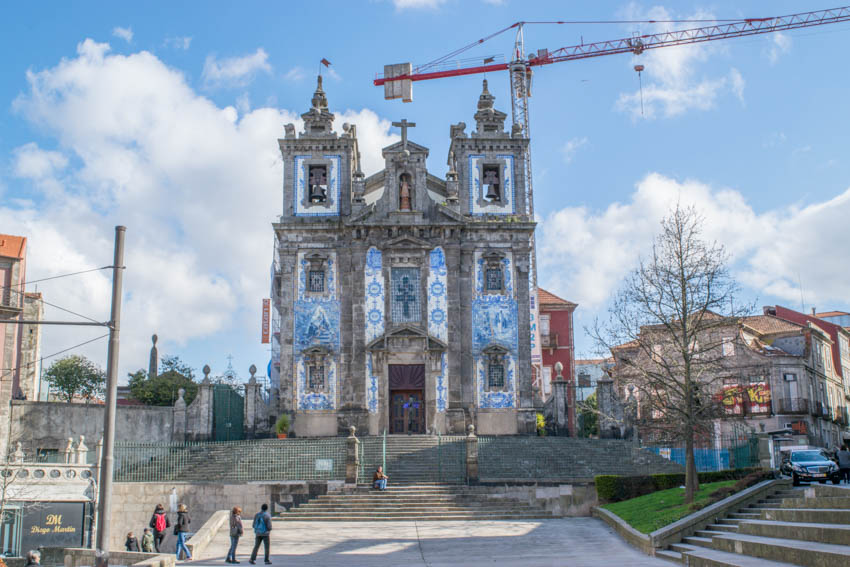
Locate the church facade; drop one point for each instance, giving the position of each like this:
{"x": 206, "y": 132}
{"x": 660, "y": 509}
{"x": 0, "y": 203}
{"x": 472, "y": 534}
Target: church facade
{"x": 403, "y": 296}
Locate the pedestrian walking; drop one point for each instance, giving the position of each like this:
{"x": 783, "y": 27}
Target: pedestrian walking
{"x": 33, "y": 558}
{"x": 843, "y": 458}
{"x": 159, "y": 524}
{"x": 235, "y": 533}
{"x": 147, "y": 541}
{"x": 181, "y": 527}
{"x": 262, "y": 530}
{"x": 131, "y": 543}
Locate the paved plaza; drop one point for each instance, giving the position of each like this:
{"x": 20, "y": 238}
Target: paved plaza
{"x": 573, "y": 542}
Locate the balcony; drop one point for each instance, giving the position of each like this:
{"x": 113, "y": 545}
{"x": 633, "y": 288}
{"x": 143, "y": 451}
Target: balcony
{"x": 549, "y": 341}
{"x": 839, "y": 415}
{"x": 793, "y": 406}
{"x": 11, "y": 302}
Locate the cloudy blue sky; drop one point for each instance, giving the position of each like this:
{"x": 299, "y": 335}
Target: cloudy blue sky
{"x": 164, "y": 117}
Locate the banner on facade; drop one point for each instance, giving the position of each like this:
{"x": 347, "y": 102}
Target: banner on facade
{"x": 536, "y": 355}
{"x": 267, "y": 314}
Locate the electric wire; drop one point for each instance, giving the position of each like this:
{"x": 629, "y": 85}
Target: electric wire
{"x": 57, "y": 277}
{"x": 3, "y": 370}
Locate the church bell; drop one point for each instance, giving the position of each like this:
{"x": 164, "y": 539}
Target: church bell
{"x": 493, "y": 192}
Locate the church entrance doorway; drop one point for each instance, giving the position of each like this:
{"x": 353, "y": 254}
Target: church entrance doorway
{"x": 407, "y": 398}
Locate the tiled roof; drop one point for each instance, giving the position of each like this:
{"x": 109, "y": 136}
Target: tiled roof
{"x": 546, "y": 298}
{"x": 832, "y": 314}
{"x": 12, "y": 246}
{"x": 767, "y": 324}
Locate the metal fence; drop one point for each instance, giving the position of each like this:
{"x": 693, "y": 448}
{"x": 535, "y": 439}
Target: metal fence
{"x": 737, "y": 454}
{"x": 272, "y": 459}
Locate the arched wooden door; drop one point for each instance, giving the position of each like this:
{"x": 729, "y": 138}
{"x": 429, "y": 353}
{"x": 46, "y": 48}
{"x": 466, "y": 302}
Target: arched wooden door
{"x": 407, "y": 398}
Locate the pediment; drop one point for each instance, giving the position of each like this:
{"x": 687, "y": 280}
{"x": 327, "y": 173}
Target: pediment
{"x": 407, "y": 332}
{"x": 398, "y": 147}
{"x": 408, "y": 241}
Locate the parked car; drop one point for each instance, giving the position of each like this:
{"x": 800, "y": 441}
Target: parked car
{"x": 809, "y": 466}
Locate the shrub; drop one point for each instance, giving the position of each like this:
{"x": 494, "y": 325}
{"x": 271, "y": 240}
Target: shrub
{"x": 613, "y": 488}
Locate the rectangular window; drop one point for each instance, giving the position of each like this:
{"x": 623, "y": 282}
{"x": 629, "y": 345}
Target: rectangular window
{"x": 494, "y": 279}
{"x": 317, "y": 378}
{"x": 547, "y": 380}
{"x": 728, "y": 347}
{"x": 317, "y": 281}
{"x": 404, "y": 298}
{"x": 48, "y": 455}
{"x": 789, "y": 377}
{"x": 544, "y": 325}
{"x": 496, "y": 376}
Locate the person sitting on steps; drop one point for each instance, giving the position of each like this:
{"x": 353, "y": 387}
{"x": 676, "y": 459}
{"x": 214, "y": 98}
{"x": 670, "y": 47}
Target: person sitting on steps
{"x": 379, "y": 481}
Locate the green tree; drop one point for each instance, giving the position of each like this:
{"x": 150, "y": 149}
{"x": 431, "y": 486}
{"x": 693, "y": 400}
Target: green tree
{"x": 162, "y": 389}
{"x": 588, "y": 418}
{"x": 76, "y": 376}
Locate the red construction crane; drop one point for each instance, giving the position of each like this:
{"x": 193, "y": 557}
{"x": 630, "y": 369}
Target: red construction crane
{"x": 397, "y": 79}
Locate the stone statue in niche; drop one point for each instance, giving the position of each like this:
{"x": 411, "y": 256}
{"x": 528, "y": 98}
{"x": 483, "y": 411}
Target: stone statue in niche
{"x": 404, "y": 193}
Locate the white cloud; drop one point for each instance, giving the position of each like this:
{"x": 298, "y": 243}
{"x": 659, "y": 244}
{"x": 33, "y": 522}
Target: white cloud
{"x": 571, "y": 147}
{"x": 235, "y": 71}
{"x": 671, "y": 85}
{"x": 780, "y": 44}
{"x": 296, "y": 74}
{"x": 124, "y": 33}
{"x": 769, "y": 248}
{"x": 196, "y": 185}
{"x": 179, "y": 42}
{"x": 418, "y": 4}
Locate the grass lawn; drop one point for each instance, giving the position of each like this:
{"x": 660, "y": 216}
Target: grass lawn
{"x": 653, "y": 511}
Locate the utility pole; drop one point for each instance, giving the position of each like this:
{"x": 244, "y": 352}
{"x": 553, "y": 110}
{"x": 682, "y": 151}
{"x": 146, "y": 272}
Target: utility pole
{"x": 104, "y": 501}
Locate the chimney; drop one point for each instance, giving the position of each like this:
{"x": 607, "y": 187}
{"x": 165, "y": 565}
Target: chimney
{"x": 814, "y": 311}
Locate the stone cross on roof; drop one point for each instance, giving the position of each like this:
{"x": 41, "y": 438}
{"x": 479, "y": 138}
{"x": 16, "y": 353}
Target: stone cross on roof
{"x": 404, "y": 125}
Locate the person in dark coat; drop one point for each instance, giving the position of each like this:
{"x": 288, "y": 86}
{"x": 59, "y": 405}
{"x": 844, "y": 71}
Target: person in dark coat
{"x": 159, "y": 524}
{"x": 181, "y": 527}
{"x": 235, "y": 533}
{"x": 262, "y": 530}
{"x": 131, "y": 543}
{"x": 33, "y": 558}
{"x": 842, "y": 457}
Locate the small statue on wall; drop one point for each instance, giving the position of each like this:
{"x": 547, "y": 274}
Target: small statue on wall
{"x": 404, "y": 195}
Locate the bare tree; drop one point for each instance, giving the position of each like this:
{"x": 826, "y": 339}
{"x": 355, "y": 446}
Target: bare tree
{"x": 666, "y": 331}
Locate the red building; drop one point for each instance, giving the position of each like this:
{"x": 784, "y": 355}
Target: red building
{"x": 556, "y": 342}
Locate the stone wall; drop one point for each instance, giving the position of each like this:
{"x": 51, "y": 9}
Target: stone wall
{"x": 49, "y": 424}
{"x": 133, "y": 503}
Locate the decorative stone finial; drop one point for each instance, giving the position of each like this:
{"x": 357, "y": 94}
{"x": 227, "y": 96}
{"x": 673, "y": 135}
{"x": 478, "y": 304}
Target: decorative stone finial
{"x": 319, "y": 100}
{"x": 153, "y": 363}
{"x": 559, "y": 368}
{"x": 486, "y": 99}
{"x": 180, "y": 393}
{"x": 252, "y": 371}
{"x": 470, "y": 430}
{"x": 206, "y": 371}
{"x": 351, "y": 430}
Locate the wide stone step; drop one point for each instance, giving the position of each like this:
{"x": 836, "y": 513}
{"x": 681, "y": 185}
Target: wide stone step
{"x": 744, "y": 516}
{"x": 407, "y": 508}
{"x": 704, "y": 557}
{"x": 833, "y": 502}
{"x": 818, "y": 490}
{"x": 682, "y": 548}
{"x": 413, "y": 518}
{"x": 823, "y": 533}
{"x": 797, "y": 552}
{"x": 807, "y": 515}
{"x": 697, "y": 541}
{"x": 669, "y": 555}
{"x": 723, "y": 528}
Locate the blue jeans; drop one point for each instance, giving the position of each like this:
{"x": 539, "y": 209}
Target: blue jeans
{"x": 381, "y": 484}
{"x": 181, "y": 545}
{"x": 234, "y": 541}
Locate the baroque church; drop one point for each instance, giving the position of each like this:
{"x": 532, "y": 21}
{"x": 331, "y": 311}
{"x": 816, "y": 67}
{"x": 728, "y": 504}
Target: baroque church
{"x": 403, "y": 296}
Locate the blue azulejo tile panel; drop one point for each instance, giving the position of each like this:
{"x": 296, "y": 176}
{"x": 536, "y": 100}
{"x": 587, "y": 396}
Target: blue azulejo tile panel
{"x": 309, "y": 400}
{"x": 443, "y": 383}
{"x": 330, "y": 207}
{"x": 438, "y": 324}
{"x": 371, "y": 385}
{"x": 494, "y": 322}
{"x": 496, "y": 399}
{"x": 373, "y": 304}
{"x": 478, "y": 205}
{"x": 507, "y": 274}
{"x": 316, "y": 324}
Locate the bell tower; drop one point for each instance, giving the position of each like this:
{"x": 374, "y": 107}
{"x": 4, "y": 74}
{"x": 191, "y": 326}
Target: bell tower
{"x": 488, "y": 162}
{"x": 318, "y": 164}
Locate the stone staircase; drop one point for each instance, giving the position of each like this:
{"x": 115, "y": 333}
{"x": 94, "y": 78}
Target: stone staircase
{"x": 413, "y": 502}
{"x": 415, "y": 459}
{"x": 807, "y": 526}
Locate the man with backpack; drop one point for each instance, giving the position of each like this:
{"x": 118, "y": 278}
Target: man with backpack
{"x": 262, "y": 530}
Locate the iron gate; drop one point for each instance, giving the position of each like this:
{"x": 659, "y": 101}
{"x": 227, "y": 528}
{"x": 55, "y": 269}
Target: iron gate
{"x": 228, "y": 414}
